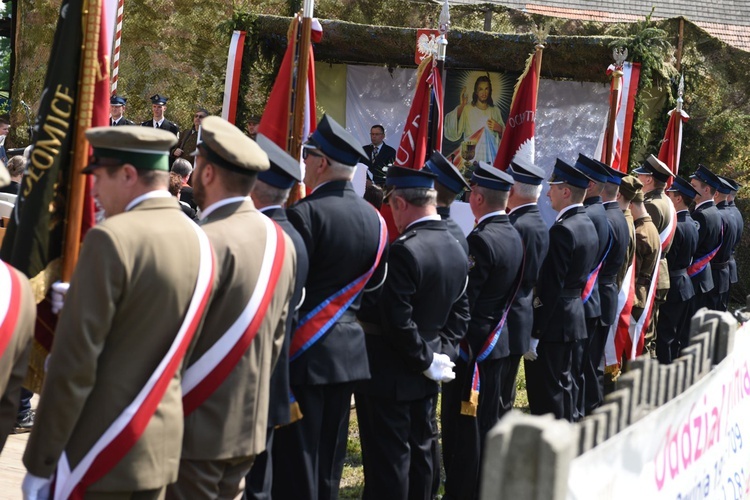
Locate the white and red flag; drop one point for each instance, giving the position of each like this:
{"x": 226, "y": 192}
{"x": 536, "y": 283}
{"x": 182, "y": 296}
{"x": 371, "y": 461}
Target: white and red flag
{"x": 518, "y": 137}
{"x": 623, "y": 89}
{"x": 232, "y": 78}
{"x": 671, "y": 146}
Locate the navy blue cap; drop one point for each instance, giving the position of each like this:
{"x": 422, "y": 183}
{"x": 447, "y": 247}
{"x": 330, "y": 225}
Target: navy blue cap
{"x": 489, "y": 177}
{"x": 116, "y": 100}
{"x": 724, "y": 186}
{"x": 158, "y": 99}
{"x": 336, "y": 143}
{"x": 615, "y": 176}
{"x": 284, "y": 171}
{"x": 654, "y": 166}
{"x": 525, "y": 172}
{"x": 703, "y": 174}
{"x": 733, "y": 183}
{"x": 594, "y": 170}
{"x": 447, "y": 173}
{"x": 402, "y": 177}
{"x": 569, "y": 174}
{"x": 683, "y": 187}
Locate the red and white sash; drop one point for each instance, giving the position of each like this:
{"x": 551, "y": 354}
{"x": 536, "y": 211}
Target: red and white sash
{"x": 618, "y": 336}
{"x": 10, "y": 304}
{"x": 128, "y": 427}
{"x": 204, "y": 376}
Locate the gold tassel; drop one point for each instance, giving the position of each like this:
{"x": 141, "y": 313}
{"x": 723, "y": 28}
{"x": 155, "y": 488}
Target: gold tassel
{"x": 469, "y": 408}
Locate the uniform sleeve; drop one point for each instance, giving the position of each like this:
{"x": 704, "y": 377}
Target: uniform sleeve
{"x": 82, "y": 329}
{"x": 296, "y": 216}
{"x": 480, "y": 264}
{"x": 399, "y": 330}
{"x": 287, "y": 279}
{"x": 552, "y": 277}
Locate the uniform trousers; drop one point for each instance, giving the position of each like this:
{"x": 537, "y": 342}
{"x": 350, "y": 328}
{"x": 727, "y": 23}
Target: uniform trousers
{"x": 549, "y": 380}
{"x": 259, "y": 480}
{"x": 209, "y": 479}
{"x": 579, "y": 367}
{"x": 157, "y": 494}
{"x": 508, "y": 381}
{"x": 669, "y": 332}
{"x": 396, "y": 438}
{"x": 314, "y": 447}
{"x": 592, "y": 373}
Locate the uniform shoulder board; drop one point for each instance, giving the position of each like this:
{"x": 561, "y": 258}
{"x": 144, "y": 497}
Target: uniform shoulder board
{"x": 406, "y": 236}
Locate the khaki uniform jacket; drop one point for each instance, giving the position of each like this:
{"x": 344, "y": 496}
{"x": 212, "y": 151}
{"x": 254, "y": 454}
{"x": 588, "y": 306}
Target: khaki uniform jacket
{"x": 659, "y": 208}
{"x": 232, "y": 421}
{"x": 631, "y": 248}
{"x": 15, "y": 359}
{"x": 128, "y": 296}
{"x": 646, "y": 248}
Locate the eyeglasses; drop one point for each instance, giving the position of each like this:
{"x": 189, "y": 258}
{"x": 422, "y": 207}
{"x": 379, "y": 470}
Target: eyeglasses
{"x": 309, "y": 152}
{"x": 200, "y": 116}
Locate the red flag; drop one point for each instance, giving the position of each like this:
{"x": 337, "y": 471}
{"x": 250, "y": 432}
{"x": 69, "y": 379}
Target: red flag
{"x": 412, "y": 150}
{"x": 518, "y": 137}
{"x": 670, "y": 149}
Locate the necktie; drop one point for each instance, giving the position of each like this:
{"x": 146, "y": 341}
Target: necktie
{"x": 374, "y": 152}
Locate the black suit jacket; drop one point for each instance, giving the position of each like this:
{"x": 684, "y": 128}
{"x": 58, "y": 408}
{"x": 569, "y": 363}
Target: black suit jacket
{"x": 680, "y": 256}
{"x": 165, "y": 125}
{"x": 121, "y": 122}
{"x": 595, "y": 211}
{"x": 340, "y": 231}
{"x": 278, "y": 407}
{"x": 423, "y": 310}
{"x": 535, "y": 236}
{"x": 709, "y": 224}
{"x": 186, "y": 195}
{"x": 495, "y": 256}
{"x": 608, "y": 286}
{"x": 453, "y": 228}
{"x": 386, "y": 156}
{"x": 558, "y": 308}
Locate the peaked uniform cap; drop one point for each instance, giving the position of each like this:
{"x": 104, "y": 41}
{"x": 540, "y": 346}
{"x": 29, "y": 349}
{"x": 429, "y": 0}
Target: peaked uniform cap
{"x": 630, "y": 187}
{"x": 703, "y": 174}
{"x": 683, "y": 187}
{"x": 447, "y": 173}
{"x": 404, "y": 178}
{"x": 568, "y": 174}
{"x": 336, "y": 143}
{"x": 489, "y": 177}
{"x": 615, "y": 176}
{"x": 145, "y": 148}
{"x": 526, "y": 172}
{"x": 594, "y": 169}
{"x": 735, "y": 185}
{"x": 158, "y": 99}
{"x": 284, "y": 171}
{"x": 654, "y": 166}
{"x": 226, "y": 146}
{"x": 117, "y": 100}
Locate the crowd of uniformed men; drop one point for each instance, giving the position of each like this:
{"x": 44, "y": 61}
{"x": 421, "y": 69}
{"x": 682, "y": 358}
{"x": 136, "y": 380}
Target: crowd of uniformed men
{"x": 188, "y": 357}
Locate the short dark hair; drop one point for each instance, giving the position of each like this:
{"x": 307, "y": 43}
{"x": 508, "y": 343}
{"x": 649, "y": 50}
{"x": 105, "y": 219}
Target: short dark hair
{"x": 378, "y": 126}
{"x": 4, "y": 120}
{"x": 374, "y": 195}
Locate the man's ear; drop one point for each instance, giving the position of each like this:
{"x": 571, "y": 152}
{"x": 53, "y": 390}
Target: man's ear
{"x": 129, "y": 174}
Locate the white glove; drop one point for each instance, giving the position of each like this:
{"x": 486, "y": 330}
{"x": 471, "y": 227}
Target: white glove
{"x": 531, "y": 355}
{"x": 441, "y": 368}
{"x": 35, "y": 488}
{"x": 57, "y": 295}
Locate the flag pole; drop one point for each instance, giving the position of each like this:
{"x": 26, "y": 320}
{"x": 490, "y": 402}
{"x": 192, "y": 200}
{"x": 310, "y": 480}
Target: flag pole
{"x": 608, "y": 151}
{"x": 300, "y": 88}
{"x": 118, "y": 41}
{"x": 89, "y": 74}
{"x": 441, "y": 47}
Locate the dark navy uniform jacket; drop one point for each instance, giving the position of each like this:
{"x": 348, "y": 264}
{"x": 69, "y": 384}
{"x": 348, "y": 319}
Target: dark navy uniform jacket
{"x": 680, "y": 256}
{"x": 453, "y": 227}
{"x": 558, "y": 308}
{"x": 423, "y": 310}
{"x": 608, "y": 286}
{"x": 278, "y": 408}
{"x": 740, "y": 223}
{"x": 165, "y": 125}
{"x": 341, "y": 232}
{"x": 495, "y": 256}
{"x": 535, "y": 236}
{"x": 709, "y": 224}
{"x": 720, "y": 263}
{"x": 595, "y": 211}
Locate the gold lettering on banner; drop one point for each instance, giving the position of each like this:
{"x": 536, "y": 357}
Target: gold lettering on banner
{"x": 52, "y": 134}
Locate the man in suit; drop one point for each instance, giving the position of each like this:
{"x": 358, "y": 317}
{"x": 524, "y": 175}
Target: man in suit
{"x": 740, "y": 225}
{"x": 189, "y": 137}
{"x": 710, "y": 235}
{"x": 184, "y": 169}
{"x": 345, "y": 241}
{"x": 269, "y": 194}
{"x": 720, "y": 263}
{"x": 18, "y": 313}
{"x": 378, "y": 155}
{"x": 117, "y": 111}
{"x": 423, "y": 313}
{"x": 559, "y": 317}
{"x": 158, "y": 107}
{"x": 524, "y": 214}
{"x": 4, "y": 131}
{"x": 225, "y": 385}
{"x": 674, "y": 311}
{"x": 654, "y": 175}
{"x": 128, "y": 295}
{"x": 586, "y": 380}
{"x": 449, "y": 184}
{"x": 495, "y": 258}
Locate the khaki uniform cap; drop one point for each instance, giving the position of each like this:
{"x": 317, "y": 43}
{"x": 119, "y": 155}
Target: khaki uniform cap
{"x": 630, "y": 188}
{"x": 145, "y": 148}
{"x": 227, "y": 146}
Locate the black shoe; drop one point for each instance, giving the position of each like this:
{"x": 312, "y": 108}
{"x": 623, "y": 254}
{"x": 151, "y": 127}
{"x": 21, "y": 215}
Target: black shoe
{"x": 25, "y": 422}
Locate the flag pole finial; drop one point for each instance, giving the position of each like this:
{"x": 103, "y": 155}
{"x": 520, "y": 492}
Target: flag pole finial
{"x": 540, "y": 33}
{"x": 680, "y": 92}
{"x": 620, "y": 55}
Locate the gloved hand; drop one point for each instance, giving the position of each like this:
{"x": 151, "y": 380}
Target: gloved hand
{"x": 35, "y": 488}
{"x": 531, "y": 355}
{"x": 57, "y": 295}
{"x": 441, "y": 368}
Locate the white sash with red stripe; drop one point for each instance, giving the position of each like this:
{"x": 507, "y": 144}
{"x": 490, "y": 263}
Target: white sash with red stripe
{"x": 10, "y": 304}
{"x": 622, "y": 318}
{"x": 128, "y": 427}
{"x": 203, "y": 377}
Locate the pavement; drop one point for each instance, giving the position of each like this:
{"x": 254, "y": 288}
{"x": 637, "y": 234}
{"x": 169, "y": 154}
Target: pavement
{"x": 11, "y": 467}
